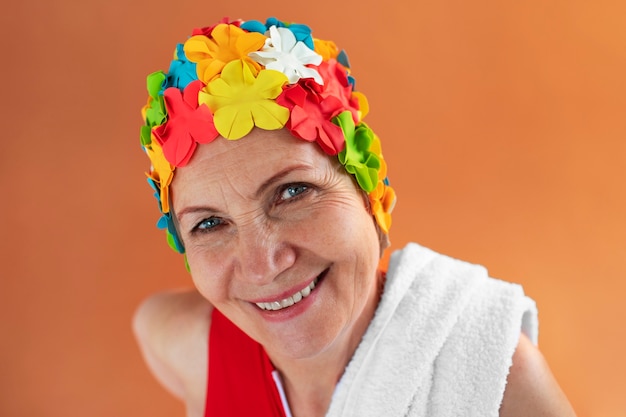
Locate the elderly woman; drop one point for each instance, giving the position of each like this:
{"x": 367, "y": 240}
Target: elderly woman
{"x": 276, "y": 192}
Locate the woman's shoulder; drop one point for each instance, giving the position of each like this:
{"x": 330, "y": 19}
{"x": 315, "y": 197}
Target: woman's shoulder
{"x": 531, "y": 388}
{"x": 172, "y": 330}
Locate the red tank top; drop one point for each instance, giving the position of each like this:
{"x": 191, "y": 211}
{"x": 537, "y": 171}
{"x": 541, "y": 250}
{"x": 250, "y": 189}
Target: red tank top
{"x": 240, "y": 380}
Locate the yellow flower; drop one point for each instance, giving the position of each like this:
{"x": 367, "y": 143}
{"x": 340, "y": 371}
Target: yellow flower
{"x": 376, "y": 149}
{"x": 383, "y": 198}
{"x": 241, "y": 99}
{"x": 364, "y": 106}
{"x": 227, "y": 43}
{"x": 161, "y": 173}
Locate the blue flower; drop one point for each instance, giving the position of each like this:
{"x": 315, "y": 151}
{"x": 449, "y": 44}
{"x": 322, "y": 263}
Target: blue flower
{"x": 300, "y": 31}
{"x": 254, "y": 26}
{"x": 342, "y": 58}
{"x": 166, "y": 222}
{"x": 181, "y": 72}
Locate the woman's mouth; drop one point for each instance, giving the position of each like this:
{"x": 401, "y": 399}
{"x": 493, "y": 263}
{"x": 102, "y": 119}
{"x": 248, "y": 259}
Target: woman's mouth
{"x": 292, "y": 299}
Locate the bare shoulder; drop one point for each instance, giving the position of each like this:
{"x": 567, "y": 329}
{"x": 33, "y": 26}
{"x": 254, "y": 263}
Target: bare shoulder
{"x": 172, "y": 332}
{"x": 531, "y": 388}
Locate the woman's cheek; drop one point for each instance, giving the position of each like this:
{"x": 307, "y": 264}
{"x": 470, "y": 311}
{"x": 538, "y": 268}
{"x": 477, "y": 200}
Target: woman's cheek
{"x": 208, "y": 272}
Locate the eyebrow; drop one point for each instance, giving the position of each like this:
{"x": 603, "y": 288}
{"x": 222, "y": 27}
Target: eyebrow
{"x": 262, "y": 188}
{"x": 190, "y": 210}
{"x": 278, "y": 176}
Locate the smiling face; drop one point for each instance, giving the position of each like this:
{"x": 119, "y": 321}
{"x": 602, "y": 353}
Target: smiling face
{"x": 263, "y": 220}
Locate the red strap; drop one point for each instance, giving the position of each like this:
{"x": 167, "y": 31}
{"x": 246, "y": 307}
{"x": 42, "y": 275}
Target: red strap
{"x": 240, "y": 374}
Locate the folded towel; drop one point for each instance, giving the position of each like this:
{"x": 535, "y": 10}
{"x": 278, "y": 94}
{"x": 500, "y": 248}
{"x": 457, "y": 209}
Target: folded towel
{"x": 440, "y": 344}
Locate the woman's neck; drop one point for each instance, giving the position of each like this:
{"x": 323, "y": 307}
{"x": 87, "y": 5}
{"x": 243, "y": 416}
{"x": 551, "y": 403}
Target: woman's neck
{"x": 309, "y": 383}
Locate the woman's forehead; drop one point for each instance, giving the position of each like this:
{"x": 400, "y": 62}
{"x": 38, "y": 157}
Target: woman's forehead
{"x": 253, "y": 158}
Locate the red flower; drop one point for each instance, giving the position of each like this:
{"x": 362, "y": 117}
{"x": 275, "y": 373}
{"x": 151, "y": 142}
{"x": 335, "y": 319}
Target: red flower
{"x": 311, "y": 115}
{"x": 188, "y": 124}
{"x": 313, "y": 106}
{"x": 336, "y": 85}
{"x": 206, "y": 31}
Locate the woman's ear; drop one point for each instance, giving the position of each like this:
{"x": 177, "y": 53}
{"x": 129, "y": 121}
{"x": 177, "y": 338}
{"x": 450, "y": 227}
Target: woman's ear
{"x": 383, "y": 238}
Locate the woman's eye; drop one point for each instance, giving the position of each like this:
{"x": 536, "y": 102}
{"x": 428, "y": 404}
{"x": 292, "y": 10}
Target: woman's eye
{"x": 209, "y": 224}
{"x": 293, "y": 190}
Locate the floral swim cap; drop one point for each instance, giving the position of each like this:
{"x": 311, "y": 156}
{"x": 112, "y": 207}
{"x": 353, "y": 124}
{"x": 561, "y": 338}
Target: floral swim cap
{"x": 228, "y": 78}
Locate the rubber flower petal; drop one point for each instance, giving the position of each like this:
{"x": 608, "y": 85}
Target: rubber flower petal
{"x": 282, "y": 52}
{"x": 382, "y": 201}
{"x": 181, "y": 71}
{"x": 356, "y": 156}
{"x": 166, "y": 222}
{"x": 383, "y": 198}
{"x": 153, "y": 112}
{"x": 240, "y": 100}
{"x": 206, "y": 31}
{"x": 188, "y": 124}
{"x": 161, "y": 173}
{"x": 300, "y": 31}
{"x": 174, "y": 241}
{"x": 254, "y": 26}
{"x": 227, "y": 43}
{"x": 327, "y": 49}
{"x": 311, "y": 115}
{"x": 313, "y": 106}
{"x": 302, "y": 34}
{"x": 376, "y": 149}
{"x": 364, "y": 106}
{"x": 342, "y": 58}
{"x": 336, "y": 85}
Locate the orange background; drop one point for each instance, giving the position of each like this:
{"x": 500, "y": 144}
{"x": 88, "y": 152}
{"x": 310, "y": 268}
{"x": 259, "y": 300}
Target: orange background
{"x": 503, "y": 124}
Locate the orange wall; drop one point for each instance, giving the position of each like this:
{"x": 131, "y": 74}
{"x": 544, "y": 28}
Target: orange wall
{"x": 503, "y": 123}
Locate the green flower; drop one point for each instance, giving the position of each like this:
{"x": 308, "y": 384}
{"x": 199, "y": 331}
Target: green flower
{"x": 154, "y": 113}
{"x": 356, "y": 157}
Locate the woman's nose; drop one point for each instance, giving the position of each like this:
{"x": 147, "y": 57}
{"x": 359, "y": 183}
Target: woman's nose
{"x": 263, "y": 254}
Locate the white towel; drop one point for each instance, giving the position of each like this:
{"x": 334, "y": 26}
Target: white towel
{"x": 440, "y": 344}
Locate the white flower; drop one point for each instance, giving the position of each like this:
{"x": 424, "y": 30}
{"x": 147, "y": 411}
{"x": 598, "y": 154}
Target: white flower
{"x": 284, "y": 54}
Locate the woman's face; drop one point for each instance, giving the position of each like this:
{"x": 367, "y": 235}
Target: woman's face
{"x": 263, "y": 220}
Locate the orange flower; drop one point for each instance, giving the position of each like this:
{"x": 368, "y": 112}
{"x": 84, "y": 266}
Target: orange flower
{"x": 227, "y": 43}
{"x": 161, "y": 173}
{"x": 383, "y": 200}
{"x": 327, "y": 49}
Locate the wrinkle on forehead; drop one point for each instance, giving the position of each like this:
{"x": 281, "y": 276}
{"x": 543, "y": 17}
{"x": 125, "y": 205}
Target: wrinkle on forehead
{"x": 239, "y": 166}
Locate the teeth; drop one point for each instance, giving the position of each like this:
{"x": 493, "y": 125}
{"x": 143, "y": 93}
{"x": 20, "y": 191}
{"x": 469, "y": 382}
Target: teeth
{"x": 289, "y": 301}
